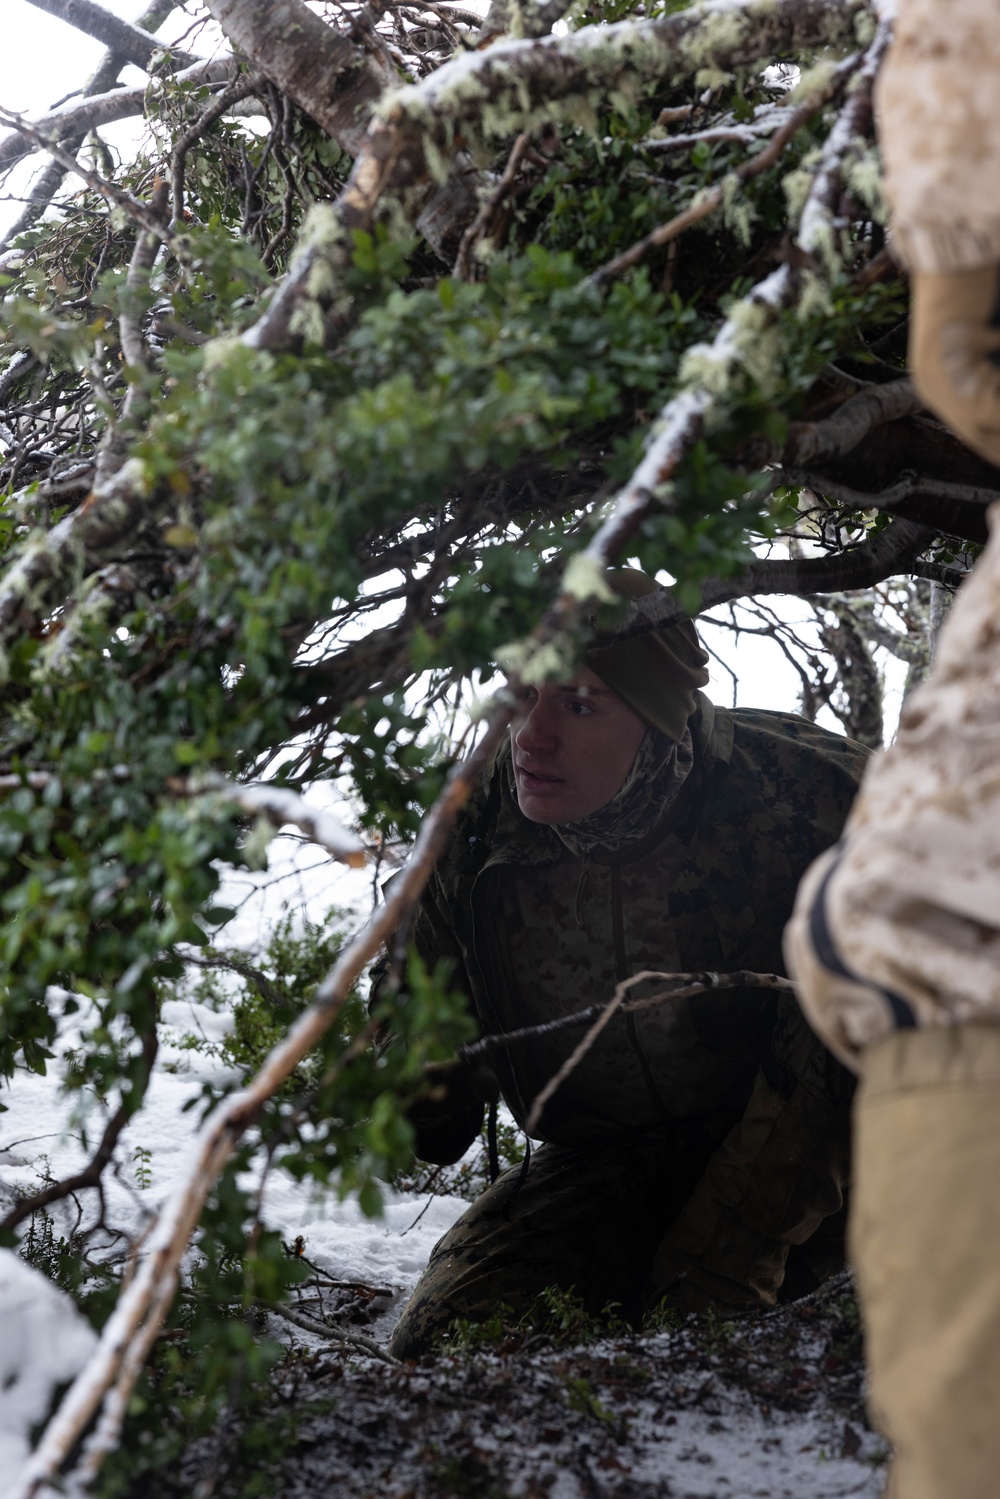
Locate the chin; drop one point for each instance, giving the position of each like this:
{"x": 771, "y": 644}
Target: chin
{"x": 535, "y": 809}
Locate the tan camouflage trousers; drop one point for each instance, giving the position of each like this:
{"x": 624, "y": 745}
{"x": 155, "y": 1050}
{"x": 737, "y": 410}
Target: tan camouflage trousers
{"x": 587, "y": 1220}
{"x": 925, "y": 1239}
{"x": 895, "y": 943}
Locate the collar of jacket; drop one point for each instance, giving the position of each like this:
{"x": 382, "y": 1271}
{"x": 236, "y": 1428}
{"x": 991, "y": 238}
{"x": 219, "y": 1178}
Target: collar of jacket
{"x": 516, "y": 840}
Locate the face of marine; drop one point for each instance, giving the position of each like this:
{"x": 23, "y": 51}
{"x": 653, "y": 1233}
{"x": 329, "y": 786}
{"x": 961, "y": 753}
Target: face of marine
{"x": 573, "y": 745}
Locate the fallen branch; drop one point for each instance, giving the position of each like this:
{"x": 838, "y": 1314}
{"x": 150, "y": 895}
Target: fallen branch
{"x": 332, "y": 1334}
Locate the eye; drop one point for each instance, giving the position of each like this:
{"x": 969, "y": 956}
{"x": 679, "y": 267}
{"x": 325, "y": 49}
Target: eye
{"x": 579, "y": 707}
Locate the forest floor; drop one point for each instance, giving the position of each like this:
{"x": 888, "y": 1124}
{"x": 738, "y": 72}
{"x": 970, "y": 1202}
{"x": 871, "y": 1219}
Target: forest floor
{"x": 763, "y": 1408}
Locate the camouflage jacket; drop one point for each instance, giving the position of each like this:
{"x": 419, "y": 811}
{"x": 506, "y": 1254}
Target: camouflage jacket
{"x": 533, "y": 932}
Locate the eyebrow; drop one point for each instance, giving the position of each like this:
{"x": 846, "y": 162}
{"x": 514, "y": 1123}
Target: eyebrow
{"x": 581, "y": 689}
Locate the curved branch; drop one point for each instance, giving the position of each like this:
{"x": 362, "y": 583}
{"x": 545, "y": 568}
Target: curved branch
{"x": 886, "y": 554}
{"x": 909, "y": 487}
{"x": 812, "y": 442}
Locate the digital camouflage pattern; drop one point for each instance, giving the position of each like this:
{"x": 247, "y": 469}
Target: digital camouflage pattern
{"x": 533, "y": 932}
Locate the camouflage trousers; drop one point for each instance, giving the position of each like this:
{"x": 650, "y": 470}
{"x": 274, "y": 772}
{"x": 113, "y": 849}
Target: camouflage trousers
{"x": 586, "y": 1220}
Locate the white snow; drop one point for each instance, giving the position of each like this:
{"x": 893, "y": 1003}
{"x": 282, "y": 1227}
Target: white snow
{"x": 45, "y": 1343}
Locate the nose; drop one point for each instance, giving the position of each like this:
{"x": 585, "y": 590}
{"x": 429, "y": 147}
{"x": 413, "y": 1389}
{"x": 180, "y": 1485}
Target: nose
{"x": 536, "y": 734}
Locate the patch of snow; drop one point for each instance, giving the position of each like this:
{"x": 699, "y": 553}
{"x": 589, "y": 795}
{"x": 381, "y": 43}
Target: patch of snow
{"x": 45, "y": 1343}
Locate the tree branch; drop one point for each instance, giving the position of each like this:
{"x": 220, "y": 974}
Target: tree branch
{"x": 81, "y": 538}
{"x": 328, "y": 76}
{"x": 885, "y": 555}
{"x": 125, "y": 40}
{"x": 521, "y": 84}
{"x": 813, "y": 442}
{"x": 282, "y": 807}
{"x": 76, "y": 119}
{"x": 518, "y": 85}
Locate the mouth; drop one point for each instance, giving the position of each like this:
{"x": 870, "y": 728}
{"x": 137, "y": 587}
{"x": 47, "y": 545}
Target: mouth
{"x": 533, "y": 780}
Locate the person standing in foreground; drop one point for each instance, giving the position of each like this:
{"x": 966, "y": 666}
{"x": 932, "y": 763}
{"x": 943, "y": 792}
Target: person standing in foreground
{"x": 895, "y": 940}
{"x": 692, "y": 1156}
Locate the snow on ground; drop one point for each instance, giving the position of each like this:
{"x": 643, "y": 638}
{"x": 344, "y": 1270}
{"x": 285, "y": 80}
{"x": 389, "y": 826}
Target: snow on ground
{"x": 45, "y": 1343}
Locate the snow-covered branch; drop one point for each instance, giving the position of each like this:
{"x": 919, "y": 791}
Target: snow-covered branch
{"x": 282, "y": 807}
{"x": 130, "y": 42}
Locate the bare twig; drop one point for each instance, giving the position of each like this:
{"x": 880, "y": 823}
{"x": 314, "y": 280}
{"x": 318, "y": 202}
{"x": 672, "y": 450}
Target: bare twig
{"x": 689, "y": 985}
{"x": 240, "y": 88}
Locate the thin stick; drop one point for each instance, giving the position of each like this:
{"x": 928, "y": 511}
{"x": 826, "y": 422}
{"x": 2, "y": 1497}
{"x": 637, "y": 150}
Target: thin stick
{"x": 481, "y": 223}
{"x": 689, "y": 985}
{"x": 702, "y": 983}
{"x": 332, "y": 1334}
